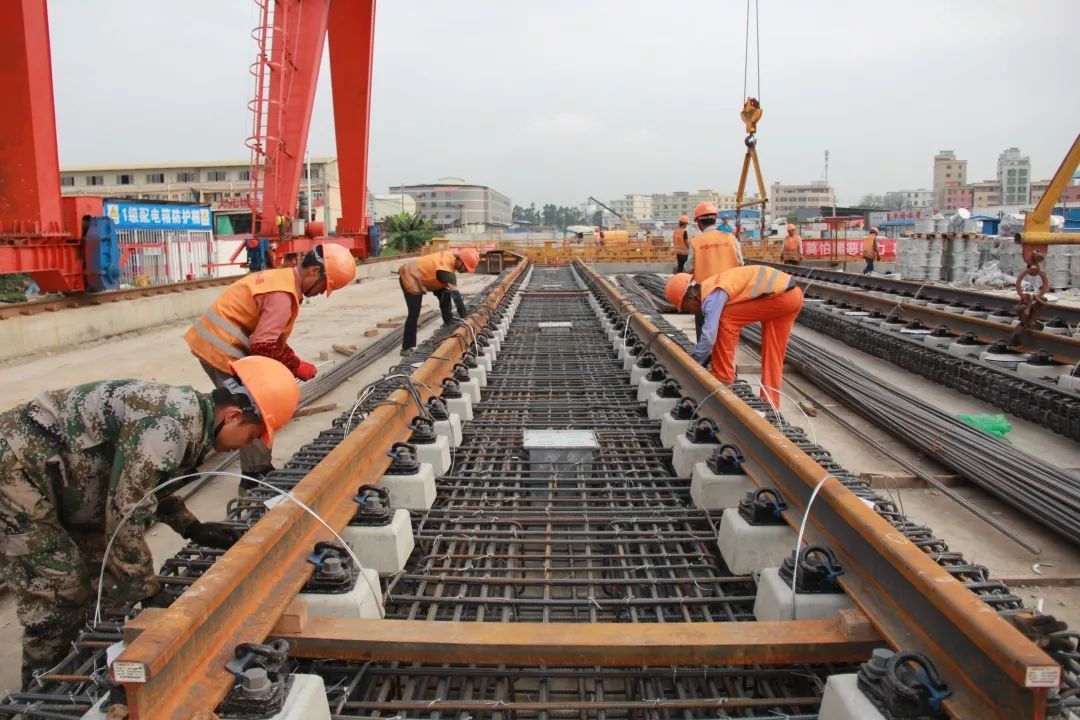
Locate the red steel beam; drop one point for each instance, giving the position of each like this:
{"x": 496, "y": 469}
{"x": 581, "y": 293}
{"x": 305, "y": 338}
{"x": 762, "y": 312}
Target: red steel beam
{"x": 177, "y": 667}
{"x": 29, "y": 164}
{"x": 352, "y": 49}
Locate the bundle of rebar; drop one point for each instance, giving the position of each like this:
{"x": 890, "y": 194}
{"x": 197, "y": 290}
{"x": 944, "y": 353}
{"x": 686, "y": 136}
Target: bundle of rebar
{"x": 1048, "y": 494}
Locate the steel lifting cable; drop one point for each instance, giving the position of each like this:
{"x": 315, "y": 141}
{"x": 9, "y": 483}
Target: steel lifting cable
{"x": 757, "y": 51}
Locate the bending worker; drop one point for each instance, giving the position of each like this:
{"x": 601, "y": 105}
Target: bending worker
{"x": 711, "y": 252}
{"x": 870, "y": 250}
{"x": 732, "y": 299}
{"x": 74, "y": 462}
{"x": 792, "y": 252}
{"x": 434, "y": 272}
{"x": 255, "y": 316}
{"x": 680, "y": 240}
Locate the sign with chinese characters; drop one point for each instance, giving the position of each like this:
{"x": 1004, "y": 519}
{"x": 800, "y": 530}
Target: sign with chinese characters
{"x": 155, "y": 216}
{"x": 841, "y": 249}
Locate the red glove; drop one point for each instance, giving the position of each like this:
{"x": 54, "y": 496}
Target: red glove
{"x": 305, "y": 370}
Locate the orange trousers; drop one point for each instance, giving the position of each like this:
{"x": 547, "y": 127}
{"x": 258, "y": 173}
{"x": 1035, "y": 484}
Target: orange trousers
{"x": 776, "y": 314}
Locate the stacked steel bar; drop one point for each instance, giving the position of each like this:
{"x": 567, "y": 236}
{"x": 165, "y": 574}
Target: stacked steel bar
{"x": 1048, "y": 494}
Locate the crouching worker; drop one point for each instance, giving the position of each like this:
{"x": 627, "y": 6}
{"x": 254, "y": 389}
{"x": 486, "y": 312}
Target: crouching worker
{"x": 73, "y": 462}
{"x": 732, "y": 299}
{"x": 434, "y": 272}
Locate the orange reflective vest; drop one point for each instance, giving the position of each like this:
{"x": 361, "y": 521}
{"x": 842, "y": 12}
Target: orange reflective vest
{"x": 680, "y": 241}
{"x": 747, "y": 282}
{"x": 220, "y": 335}
{"x": 714, "y": 252}
{"x": 870, "y": 248}
{"x": 791, "y": 247}
{"x": 419, "y": 275}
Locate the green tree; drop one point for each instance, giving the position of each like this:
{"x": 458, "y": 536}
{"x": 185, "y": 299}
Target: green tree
{"x": 550, "y": 215}
{"x": 408, "y": 233}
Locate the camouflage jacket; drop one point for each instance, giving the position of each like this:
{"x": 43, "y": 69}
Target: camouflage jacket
{"x": 97, "y": 449}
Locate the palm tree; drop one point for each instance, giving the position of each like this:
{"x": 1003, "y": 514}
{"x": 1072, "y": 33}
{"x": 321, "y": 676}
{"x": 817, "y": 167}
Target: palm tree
{"x": 408, "y": 233}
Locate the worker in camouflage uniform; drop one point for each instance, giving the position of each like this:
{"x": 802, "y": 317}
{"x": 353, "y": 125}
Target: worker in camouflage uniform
{"x": 73, "y": 462}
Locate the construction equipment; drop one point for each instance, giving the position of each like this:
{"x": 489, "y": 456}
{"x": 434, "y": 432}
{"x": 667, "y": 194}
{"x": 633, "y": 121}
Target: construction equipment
{"x": 1036, "y": 239}
{"x": 629, "y": 225}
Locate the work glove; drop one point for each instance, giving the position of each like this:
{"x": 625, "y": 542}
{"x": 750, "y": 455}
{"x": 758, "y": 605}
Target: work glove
{"x": 305, "y": 370}
{"x": 219, "y": 536}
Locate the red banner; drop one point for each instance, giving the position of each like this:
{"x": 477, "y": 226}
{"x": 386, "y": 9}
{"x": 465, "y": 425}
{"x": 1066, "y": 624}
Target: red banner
{"x": 844, "y": 249}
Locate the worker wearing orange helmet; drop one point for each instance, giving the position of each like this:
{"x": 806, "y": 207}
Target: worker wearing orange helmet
{"x": 680, "y": 240}
{"x": 870, "y": 250}
{"x": 734, "y": 298}
{"x": 84, "y": 464}
{"x": 255, "y": 316}
{"x": 434, "y": 272}
{"x": 712, "y": 251}
{"x": 793, "y": 248}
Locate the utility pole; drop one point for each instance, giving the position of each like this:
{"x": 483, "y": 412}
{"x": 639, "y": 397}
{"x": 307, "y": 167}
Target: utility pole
{"x": 827, "y": 182}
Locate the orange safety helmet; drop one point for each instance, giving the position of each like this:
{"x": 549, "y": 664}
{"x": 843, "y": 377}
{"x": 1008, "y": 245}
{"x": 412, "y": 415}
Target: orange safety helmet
{"x": 469, "y": 258}
{"x": 790, "y": 226}
{"x": 874, "y": 230}
{"x": 676, "y": 287}
{"x": 703, "y": 209}
{"x": 272, "y": 389}
{"x": 684, "y": 220}
{"x": 338, "y": 266}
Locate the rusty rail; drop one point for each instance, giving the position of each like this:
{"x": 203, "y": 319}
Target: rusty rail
{"x": 994, "y": 671}
{"x": 177, "y": 667}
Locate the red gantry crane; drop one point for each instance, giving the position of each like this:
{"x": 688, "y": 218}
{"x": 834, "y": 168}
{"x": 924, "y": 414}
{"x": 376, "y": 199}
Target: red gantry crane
{"x": 67, "y": 245}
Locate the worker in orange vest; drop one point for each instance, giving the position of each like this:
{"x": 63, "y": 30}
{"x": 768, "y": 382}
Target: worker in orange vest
{"x": 870, "y": 251}
{"x": 434, "y": 272}
{"x": 711, "y": 252}
{"x": 792, "y": 252}
{"x": 732, "y": 299}
{"x": 255, "y": 316}
{"x": 680, "y": 240}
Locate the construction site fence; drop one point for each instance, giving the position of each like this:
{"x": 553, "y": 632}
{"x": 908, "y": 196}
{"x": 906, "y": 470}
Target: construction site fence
{"x": 161, "y": 257}
{"x": 660, "y": 250}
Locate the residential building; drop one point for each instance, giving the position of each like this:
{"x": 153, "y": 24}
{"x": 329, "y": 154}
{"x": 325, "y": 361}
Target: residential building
{"x": 785, "y": 199}
{"x": 669, "y": 206}
{"x": 224, "y": 185}
{"x": 909, "y": 200}
{"x": 1014, "y": 176}
{"x": 985, "y": 194}
{"x": 452, "y": 203}
{"x": 949, "y": 172}
{"x": 957, "y": 197}
{"x": 383, "y": 206}
{"x": 634, "y": 207}
{"x": 1070, "y": 196}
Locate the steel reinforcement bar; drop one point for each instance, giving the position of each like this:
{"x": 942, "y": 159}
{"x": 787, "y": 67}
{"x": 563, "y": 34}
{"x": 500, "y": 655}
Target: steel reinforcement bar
{"x": 177, "y": 667}
{"x": 915, "y": 288}
{"x": 994, "y": 671}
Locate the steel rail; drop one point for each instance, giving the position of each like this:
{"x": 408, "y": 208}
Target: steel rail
{"x": 993, "y": 670}
{"x": 1064, "y": 348}
{"x": 33, "y": 307}
{"x": 177, "y": 667}
{"x": 581, "y": 644}
{"x": 923, "y": 289}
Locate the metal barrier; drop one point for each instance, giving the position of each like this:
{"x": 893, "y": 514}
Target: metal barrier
{"x": 158, "y": 257}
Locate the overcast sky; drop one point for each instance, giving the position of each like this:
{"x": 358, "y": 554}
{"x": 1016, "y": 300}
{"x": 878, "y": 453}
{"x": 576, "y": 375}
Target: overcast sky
{"x": 554, "y": 100}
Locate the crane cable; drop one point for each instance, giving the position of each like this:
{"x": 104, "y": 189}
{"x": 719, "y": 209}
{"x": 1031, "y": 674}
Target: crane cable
{"x": 757, "y": 50}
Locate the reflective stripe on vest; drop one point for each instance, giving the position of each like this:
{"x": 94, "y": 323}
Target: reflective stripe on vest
{"x": 217, "y": 342}
{"x": 746, "y": 283}
{"x": 421, "y": 274}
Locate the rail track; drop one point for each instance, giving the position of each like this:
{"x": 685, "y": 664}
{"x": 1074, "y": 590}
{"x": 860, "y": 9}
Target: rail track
{"x": 583, "y": 588}
{"x": 68, "y": 302}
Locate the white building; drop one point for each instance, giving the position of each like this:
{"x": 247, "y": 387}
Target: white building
{"x": 383, "y": 206}
{"x": 910, "y": 199}
{"x": 634, "y": 206}
{"x": 1014, "y": 176}
{"x": 784, "y": 199}
{"x": 224, "y": 185}
{"x": 668, "y": 207}
{"x": 453, "y": 203}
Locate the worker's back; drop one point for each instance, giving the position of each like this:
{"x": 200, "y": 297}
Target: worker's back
{"x": 422, "y": 273}
{"x": 220, "y": 335}
{"x": 714, "y": 252}
{"x": 748, "y": 282}
{"x": 679, "y": 239}
{"x": 78, "y": 437}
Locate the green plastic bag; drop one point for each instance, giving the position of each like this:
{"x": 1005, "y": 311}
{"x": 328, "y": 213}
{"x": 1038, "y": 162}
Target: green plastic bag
{"x": 995, "y": 425}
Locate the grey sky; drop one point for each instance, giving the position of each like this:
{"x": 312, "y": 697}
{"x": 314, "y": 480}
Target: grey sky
{"x": 554, "y": 100}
